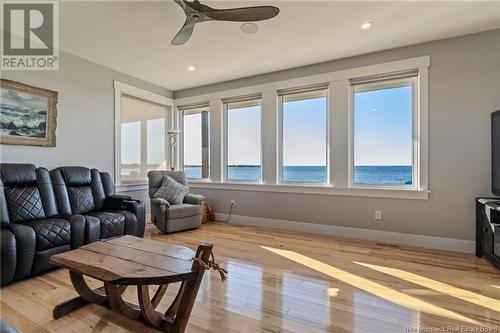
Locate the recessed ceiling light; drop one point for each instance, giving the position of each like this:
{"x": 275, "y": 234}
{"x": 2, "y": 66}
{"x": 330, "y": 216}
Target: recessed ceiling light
{"x": 191, "y": 68}
{"x": 249, "y": 28}
{"x": 366, "y": 25}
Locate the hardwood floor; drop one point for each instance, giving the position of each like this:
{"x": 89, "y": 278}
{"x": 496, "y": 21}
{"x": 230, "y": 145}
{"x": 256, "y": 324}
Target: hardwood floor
{"x": 292, "y": 282}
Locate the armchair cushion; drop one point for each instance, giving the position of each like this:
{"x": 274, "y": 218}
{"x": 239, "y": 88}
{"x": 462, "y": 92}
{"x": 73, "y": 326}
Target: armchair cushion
{"x": 194, "y": 199}
{"x": 172, "y": 191}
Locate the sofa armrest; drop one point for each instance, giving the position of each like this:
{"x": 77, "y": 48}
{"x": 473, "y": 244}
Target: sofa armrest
{"x": 117, "y": 202}
{"x": 125, "y": 202}
{"x": 194, "y": 199}
{"x": 78, "y": 227}
{"x": 26, "y": 247}
{"x": 160, "y": 202}
{"x": 9, "y": 256}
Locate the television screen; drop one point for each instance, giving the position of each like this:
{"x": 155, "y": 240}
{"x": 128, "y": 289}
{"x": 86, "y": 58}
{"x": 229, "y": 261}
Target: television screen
{"x": 495, "y": 152}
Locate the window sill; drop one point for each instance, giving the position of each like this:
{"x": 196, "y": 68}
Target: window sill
{"x": 396, "y": 193}
{"x": 130, "y": 187}
{"x": 197, "y": 181}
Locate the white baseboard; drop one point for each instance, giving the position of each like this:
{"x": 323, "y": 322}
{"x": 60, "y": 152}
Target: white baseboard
{"x": 439, "y": 243}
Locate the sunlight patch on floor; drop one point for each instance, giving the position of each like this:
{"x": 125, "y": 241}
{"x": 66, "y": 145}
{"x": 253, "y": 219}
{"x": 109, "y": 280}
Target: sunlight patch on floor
{"x": 369, "y": 286}
{"x": 332, "y": 292}
{"x": 444, "y": 288}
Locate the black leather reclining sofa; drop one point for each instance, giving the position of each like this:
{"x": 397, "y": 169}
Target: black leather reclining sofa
{"x": 44, "y": 213}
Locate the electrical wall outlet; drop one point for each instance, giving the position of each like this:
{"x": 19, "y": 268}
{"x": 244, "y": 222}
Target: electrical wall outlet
{"x": 378, "y": 215}
{"x": 233, "y": 202}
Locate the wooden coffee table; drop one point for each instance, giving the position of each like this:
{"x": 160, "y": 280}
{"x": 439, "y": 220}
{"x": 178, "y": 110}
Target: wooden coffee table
{"x": 130, "y": 260}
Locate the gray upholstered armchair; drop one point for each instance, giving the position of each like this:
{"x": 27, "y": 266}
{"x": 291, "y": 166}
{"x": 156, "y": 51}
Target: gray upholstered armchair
{"x": 171, "y": 218}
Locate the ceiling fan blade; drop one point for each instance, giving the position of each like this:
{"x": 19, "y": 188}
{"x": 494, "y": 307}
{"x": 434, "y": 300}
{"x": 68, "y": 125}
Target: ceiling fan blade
{"x": 184, "y": 34}
{"x": 245, "y": 14}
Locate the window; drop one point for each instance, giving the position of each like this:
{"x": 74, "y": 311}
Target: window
{"x": 195, "y": 133}
{"x": 304, "y": 136}
{"x": 142, "y": 137}
{"x": 355, "y": 132}
{"x": 383, "y": 132}
{"x": 243, "y": 130}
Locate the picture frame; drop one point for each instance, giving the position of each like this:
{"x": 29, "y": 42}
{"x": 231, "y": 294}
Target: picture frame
{"x": 28, "y": 115}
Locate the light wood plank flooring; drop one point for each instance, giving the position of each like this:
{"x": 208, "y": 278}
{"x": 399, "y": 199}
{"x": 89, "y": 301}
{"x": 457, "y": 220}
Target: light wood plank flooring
{"x": 293, "y": 282}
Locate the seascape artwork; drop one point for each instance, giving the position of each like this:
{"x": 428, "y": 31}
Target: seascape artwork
{"x": 23, "y": 114}
{"x": 28, "y": 115}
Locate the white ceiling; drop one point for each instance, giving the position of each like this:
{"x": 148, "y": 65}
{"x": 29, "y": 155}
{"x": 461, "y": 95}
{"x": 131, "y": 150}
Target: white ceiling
{"x": 134, "y": 36}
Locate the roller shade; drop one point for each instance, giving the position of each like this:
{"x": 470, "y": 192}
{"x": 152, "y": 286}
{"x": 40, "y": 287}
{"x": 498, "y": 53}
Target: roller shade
{"x": 303, "y": 93}
{"x": 385, "y": 81}
{"x": 203, "y": 106}
{"x": 242, "y": 101}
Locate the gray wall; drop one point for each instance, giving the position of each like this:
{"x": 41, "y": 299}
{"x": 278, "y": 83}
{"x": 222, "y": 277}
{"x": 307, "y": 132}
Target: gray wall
{"x": 85, "y": 114}
{"x": 464, "y": 84}
{"x": 464, "y": 88}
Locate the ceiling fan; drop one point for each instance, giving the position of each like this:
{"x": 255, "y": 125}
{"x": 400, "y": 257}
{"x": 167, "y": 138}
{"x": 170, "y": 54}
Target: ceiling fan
{"x": 197, "y": 13}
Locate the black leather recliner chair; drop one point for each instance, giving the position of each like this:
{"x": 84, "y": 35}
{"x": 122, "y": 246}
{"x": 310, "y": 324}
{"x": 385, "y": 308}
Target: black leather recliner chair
{"x": 40, "y": 218}
{"x": 91, "y": 193}
{"x": 32, "y": 229}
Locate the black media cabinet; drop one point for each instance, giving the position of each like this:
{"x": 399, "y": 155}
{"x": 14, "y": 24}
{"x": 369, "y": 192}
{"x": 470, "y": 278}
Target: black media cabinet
{"x": 488, "y": 229}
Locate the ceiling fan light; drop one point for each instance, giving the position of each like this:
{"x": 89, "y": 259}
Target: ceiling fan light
{"x": 366, "y": 25}
{"x": 249, "y": 28}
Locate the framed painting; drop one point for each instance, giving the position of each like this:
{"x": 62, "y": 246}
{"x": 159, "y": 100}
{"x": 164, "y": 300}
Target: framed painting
{"x": 27, "y": 115}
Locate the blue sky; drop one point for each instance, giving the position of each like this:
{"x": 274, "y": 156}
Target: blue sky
{"x": 382, "y": 121}
{"x": 304, "y": 132}
{"x": 383, "y": 127}
{"x": 243, "y": 137}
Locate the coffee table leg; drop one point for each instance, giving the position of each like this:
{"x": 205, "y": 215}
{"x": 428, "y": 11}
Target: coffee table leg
{"x": 87, "y": 296}
{"x": 68, "y": 306}
{"x": 148, "y": 305}
{"x": 116, "y": 302}
{"x": 82, "y": 288}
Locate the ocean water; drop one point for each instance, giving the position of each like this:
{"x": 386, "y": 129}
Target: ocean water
{"x": 383, "y": 175}
{"x": 363, "y": 175}
{"x": 193, "y": 172}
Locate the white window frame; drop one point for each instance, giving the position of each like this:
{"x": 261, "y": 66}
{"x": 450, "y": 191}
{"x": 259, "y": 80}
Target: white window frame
{"x": 279, "y": 176}
{"x": 416, "y": 137}
{"x": 126, "y": 89}
{"x": 339, "y": 122}
{"x": 225, "y": 143}
{"x": 182, "y": 111}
